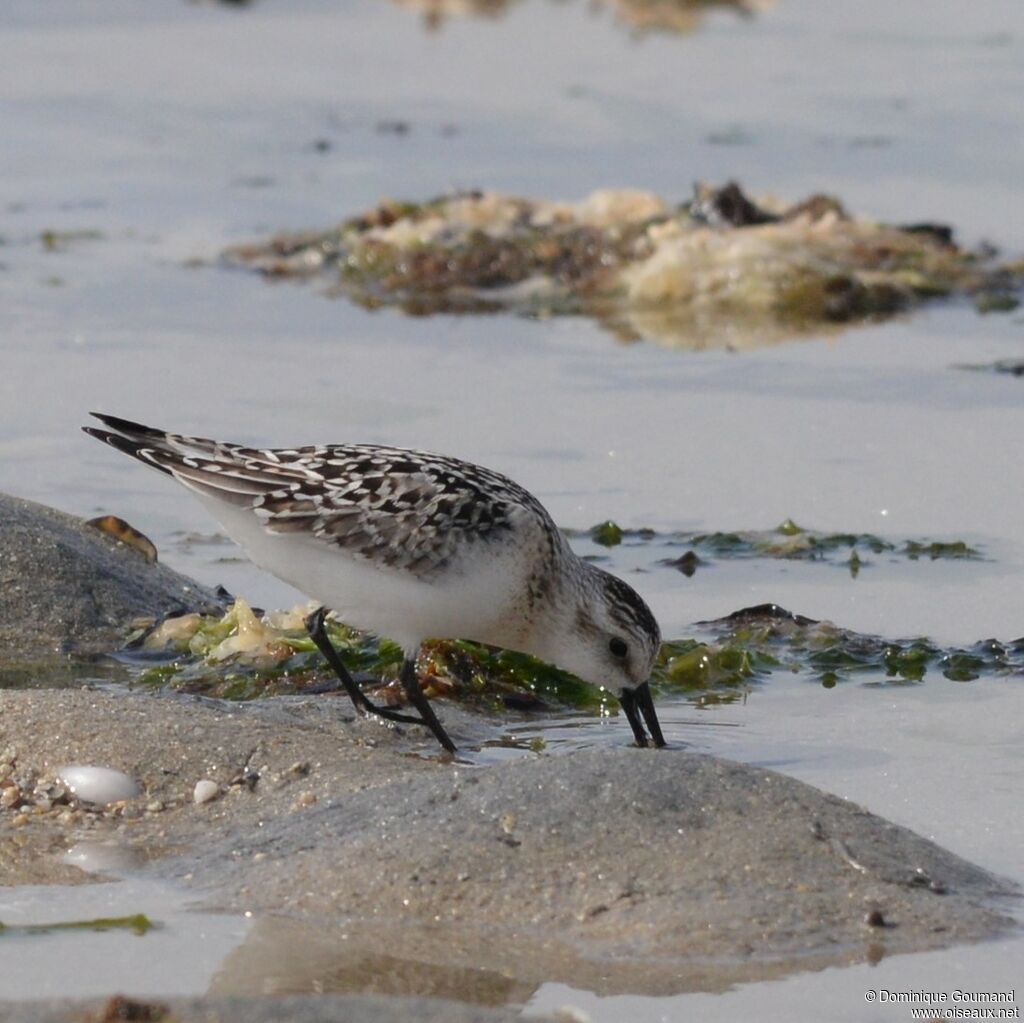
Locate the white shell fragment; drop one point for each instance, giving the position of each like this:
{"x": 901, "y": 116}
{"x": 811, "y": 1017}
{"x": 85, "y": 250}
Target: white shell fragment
{"x": 100, "y": 785}
{"x": 205, "y": 790}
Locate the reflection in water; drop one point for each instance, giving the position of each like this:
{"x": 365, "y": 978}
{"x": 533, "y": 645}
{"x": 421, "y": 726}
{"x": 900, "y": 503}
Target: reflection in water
{"x": 481, "y": 965}
{"x": 295, "y": 957}
{"x": 66, "y": 674}
{"x": 676, "y": 16}
{"x": 436, "y": 12}
{"x": 705, "y": 330}
{"x": 100, "y": 856}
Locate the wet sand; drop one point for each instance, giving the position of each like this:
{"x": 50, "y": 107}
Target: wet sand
{"x": 621, "y": 870}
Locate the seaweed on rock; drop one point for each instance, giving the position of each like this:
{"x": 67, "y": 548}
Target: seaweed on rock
{"x": 243, "y": 656}
{"x": 721, "y": 269}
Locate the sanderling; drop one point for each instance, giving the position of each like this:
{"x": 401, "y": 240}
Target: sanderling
{"x": 416, "y": 546}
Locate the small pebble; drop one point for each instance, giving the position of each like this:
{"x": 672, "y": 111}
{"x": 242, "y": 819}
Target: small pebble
{"x": 10, "y": 796}
{"x": 303, "y": 800}
{"x": 53, "y": 791}
{"x": 205, "y": 790}
{"x": 154, "y": 807}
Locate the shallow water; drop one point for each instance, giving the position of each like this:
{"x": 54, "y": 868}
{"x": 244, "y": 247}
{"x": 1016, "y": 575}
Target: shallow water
{"x": 177, "y": 129}
{"x": 179, "y": 956}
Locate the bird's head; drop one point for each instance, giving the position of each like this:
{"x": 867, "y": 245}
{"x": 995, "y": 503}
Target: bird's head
{"x": 610, "y": 638}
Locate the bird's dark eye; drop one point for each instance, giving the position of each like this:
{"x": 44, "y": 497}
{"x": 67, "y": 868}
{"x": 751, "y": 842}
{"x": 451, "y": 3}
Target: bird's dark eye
{"x": 618, "y": 647}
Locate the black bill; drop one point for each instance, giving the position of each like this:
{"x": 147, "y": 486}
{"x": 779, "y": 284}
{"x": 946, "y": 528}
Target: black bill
{"x": 636, "y": 702}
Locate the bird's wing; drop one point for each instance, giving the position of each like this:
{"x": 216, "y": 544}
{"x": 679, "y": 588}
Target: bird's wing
{"x": 405, "y": 509}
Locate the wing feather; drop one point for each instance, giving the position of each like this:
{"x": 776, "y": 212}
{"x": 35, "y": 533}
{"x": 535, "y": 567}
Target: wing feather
{"x": 405, "y": 509}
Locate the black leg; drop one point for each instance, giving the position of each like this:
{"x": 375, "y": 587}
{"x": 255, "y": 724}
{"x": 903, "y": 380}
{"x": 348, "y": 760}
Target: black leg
{"x": 422, "y": 704}
{"x": 628, "y": 700}
{"x": 362, "y": 703}
{"x": 645, "y": 702}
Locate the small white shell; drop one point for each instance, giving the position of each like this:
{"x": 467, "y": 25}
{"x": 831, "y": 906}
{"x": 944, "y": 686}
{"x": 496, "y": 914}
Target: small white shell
{"x": 205, "y": 790}
{"x": 100, "y": 785}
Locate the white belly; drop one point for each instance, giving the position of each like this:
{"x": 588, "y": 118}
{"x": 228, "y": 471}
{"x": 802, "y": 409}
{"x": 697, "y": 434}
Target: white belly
{"x": 478, "y": 601}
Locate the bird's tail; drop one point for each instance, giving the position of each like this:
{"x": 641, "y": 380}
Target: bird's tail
{"x": 142, "y": 441}
{"x": 228, "y": 472}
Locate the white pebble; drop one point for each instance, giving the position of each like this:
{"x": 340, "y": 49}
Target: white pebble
{"x": 100, "y": 785}
{"x": 205, "y": 790}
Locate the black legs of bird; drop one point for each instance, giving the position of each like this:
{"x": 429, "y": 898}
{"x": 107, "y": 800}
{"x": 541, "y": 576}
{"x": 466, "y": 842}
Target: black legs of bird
{"x": 422, "y": 704}
{"x": 361, "y": 702}
{"x": 634, "y": 701}
{"x": 640, "y": 699}
{"x": 318, "y": 634}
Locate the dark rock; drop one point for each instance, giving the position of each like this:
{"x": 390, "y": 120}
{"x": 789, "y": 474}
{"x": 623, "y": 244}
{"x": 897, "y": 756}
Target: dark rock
{"x": 67, "y": 588}
{"x": 727, "y": 206}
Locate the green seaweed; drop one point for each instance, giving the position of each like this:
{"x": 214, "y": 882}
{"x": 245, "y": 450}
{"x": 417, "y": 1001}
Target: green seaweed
{"x": 842, "y": 298}
{"x": 137, "y": 923}
{"x": 57, "y": 241}
{"x": 787, "y": 541}
{"x": 488, "y": 676}
{"x": 691, "y": 665}
{"x": 771, "y": 639}
{"x": 471, "y": 672}
{"x": 607, "y": 534}
{"x": 936, "y": 549}
{"x": 722, "y": 663}
{"x": 996, "y": 302}
{"x": 193, "y": 669}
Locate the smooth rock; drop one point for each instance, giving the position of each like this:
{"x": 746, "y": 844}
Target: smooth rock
{"x": 68, "y": 588}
